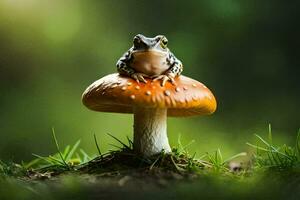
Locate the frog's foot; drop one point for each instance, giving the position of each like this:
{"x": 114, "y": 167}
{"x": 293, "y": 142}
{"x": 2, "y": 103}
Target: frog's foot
{"x": 139, "y": 77}
{"x": 165, "y": 78}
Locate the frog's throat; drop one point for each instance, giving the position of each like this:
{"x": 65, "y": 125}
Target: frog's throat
{"x": 150, "y": 131}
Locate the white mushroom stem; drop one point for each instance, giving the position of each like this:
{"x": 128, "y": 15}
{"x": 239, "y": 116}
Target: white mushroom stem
{"x": 150, "y": 131}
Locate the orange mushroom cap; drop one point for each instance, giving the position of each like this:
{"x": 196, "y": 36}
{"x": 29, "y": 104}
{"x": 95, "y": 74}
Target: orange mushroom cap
{"x": 119, "y": 94}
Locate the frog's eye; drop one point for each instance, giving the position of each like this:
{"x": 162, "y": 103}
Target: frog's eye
{"x": 164, "y": 42}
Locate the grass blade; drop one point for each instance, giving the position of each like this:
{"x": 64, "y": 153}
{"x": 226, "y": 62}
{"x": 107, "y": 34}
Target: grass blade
{"x": 57, "y": 147}
{"x": 180, "y": 147}
{"x": 72, "y": 151}
{"x": 261, "y": 139}
{"x": 188, "y": 144}
{"x": 86, "y": 157}
{"x": 31, "y": 163}
{"x": 270, "y": 134}
{"x": 57, "y": 160}
{"x": 271, "y": 147}
{"x": 48, "y": 159}
{"x": 119, "y": 141}
{"x": 97, "y": 146}
{"x": 220, "y": 156}
{"x": 42, "y": 158}
{"x": 129, "y": 142}
{"x": 257, "y": 147}
{"x": 66, "y": 151}
{"x": 235, "y": 156}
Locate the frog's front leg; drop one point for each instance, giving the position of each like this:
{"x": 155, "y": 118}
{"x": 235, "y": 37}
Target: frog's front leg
{"x": 122, "y": 65}
{"x": 124, "y": 68}
{"x": 164, "y": 78}
{"x": 175, "y": 69}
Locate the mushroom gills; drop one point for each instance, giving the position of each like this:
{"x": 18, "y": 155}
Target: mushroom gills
{"x": 150, "y": 131}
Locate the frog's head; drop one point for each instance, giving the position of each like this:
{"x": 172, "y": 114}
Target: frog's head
{"x": 142, "y": 43}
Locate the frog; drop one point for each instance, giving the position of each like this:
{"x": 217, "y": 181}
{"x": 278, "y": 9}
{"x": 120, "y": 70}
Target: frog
{"x": 150, "y": 58}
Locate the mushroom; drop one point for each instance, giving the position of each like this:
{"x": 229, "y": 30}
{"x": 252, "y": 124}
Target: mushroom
{"x": 150, "y": 104}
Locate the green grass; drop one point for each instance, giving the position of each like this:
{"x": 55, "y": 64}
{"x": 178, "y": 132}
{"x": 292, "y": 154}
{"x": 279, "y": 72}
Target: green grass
{"x": 123, "y": 160}
{"x": 61, "y": 161}
{"x": 272, "y": 156}
{"x": 71, "y": 173}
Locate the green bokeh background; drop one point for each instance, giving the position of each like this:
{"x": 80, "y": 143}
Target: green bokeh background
{"x": 246, "y": 52}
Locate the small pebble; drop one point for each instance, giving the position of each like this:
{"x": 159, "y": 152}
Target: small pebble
{"x": 124, "y": 180}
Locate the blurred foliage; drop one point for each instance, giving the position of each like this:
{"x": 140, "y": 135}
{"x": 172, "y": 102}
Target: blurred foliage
{"x": 246, "y": 52}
